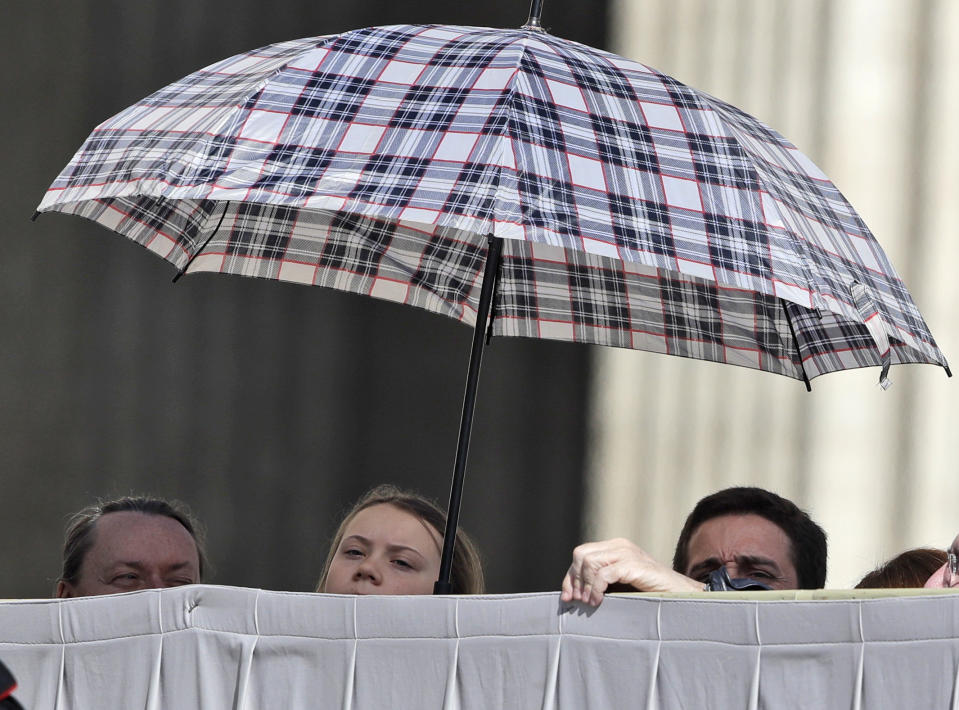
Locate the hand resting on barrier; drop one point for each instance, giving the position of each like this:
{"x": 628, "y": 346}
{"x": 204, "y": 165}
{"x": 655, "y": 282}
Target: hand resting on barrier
{"x": 597, "y": 565}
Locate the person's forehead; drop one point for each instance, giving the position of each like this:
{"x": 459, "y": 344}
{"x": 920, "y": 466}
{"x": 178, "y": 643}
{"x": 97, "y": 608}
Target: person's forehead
{"x": 127, "y": 536}
{"x": 388, "y": 525}
{"x": 736, "y": 535}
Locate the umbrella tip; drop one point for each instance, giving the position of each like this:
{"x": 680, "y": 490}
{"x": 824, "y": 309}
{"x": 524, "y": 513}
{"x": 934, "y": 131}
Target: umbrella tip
{"x": 948, "y": 371}
{"x": 535, "y": 12}
{"x": 37, "y": 214}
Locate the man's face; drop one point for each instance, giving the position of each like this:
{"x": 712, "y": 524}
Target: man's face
{"x": 943, "y": 577}
{"x": 748, "y": 545}
{"x": 132, "y": 551}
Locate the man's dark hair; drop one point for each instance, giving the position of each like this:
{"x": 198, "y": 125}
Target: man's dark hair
{"x": 82, "y": 528}
{"x": 808, "y": 540}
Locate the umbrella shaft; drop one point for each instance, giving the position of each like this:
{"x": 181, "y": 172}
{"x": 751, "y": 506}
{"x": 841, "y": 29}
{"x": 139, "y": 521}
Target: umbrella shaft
{"x": 493, "y": 252}
{"x": 535, "y": 12}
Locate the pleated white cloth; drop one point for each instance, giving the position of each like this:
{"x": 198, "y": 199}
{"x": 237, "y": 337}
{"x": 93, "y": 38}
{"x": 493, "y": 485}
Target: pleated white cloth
{"x": 223, "y": 647}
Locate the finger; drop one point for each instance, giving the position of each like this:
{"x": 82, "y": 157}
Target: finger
{"x": 596, "y": 588}
{"x": 582, "y": 588}
{"x": 586, "y": 595}
{"x": 605, "y": 577}
{"x": 566, "y": 593}
{"x": 597, "y": 592}
{"x": 587, "y": 574}
{"x": 572, "y": 583}
{"x": 620, "y": 573}
{"x": 590, "y": 583}
{"x": 587, "y": 583}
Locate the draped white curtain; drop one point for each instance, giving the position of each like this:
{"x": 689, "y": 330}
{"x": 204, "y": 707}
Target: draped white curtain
{"x": 227, "y": 647}
{"x": 870, "y": 90}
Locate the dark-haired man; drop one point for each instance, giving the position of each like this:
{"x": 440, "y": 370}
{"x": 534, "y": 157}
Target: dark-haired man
{"x": 746, "y": 532}
{"x": 128, "y": 544}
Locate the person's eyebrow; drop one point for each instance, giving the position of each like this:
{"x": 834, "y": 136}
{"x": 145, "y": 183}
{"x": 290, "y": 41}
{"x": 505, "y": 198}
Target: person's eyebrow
{"x": 135, "y": 564}
{"x": 757, "y": 561}
{"x": 139, "y": 566}
{"x": 390, "y": 548}
{"x": 177, "y": 566}
{"x": 358, "y": 538}
{"x": 404, "y": 548}
{"x": 710, "y": 563}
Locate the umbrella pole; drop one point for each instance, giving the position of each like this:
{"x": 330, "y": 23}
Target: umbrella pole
{"x": 535, "y": 12}
{"x": 493, "y": 252}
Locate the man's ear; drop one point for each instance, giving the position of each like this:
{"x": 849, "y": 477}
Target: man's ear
{"x": 65, "y": 590}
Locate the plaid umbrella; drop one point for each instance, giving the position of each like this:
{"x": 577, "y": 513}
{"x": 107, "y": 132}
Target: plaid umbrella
{"x": 617, "y": 206}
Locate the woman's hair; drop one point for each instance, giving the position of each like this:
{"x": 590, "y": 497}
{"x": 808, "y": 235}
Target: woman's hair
{"x": 467, "y": 573}
{"x": 82, "y": 528}
{"x": 908, "y": 570}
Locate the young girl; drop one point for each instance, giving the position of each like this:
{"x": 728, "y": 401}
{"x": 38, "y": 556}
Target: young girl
{"x": 390, "y": 543}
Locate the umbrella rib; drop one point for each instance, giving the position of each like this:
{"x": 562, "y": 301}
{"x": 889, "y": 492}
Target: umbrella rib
{"x": 203, "y": 246}
{"x": 496, "y": 276}
{"x": 792, "y": 330}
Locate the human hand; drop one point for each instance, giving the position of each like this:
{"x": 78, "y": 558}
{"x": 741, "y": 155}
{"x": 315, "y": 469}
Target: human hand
{"x": 596, "y": 565}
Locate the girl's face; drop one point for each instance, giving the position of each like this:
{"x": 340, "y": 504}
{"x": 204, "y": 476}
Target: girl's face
{"x": 385, "y": 550}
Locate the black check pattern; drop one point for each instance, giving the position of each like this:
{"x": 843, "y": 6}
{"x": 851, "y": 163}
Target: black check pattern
{"x": 636, "y": 211}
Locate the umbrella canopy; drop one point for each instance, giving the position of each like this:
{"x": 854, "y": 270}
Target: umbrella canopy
{"x": 616, "y": 205}
{"x": 634, "y": 211}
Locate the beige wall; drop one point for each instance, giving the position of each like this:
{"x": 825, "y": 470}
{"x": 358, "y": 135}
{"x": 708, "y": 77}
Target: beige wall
{"x": 870, "y": 90}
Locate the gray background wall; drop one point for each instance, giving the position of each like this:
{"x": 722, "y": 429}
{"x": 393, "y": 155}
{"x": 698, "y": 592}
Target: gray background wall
{"x": 266, "y": 407}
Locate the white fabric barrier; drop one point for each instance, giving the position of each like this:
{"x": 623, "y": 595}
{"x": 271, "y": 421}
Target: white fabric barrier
{"x": 224, "y": 647}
